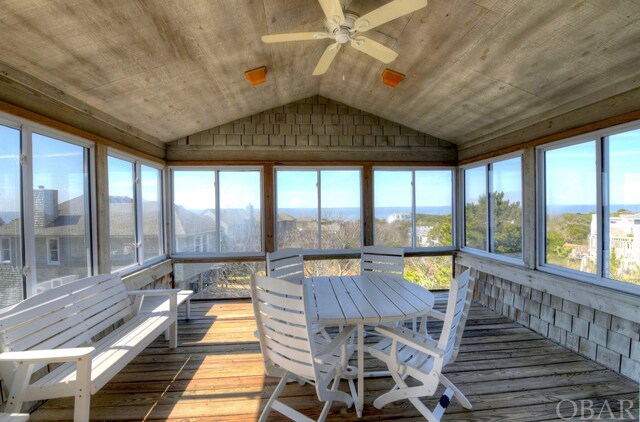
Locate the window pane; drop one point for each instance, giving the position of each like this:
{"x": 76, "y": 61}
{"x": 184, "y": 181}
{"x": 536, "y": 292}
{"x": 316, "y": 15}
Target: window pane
{"x": 240, "y": 205}
{"x": 475, "y": 208}
{"x": 432, "y": 272}
{"x": 570, "y": 183}
{"x": 392, "y": 193}
{"x": 61, "y": 210}
{"x": 222, "y": 280}
{"x": 297, "y": 203}
{"x": 624, "y": 200}
{"x": 329, "y": 267}
{"x": 340, "y": 199}
{"x": 122, "y": 213}
{"x": 434, "y": 205}
{"x": 506, "y": 207}
{"x": 11, "y": 286}
{"x": 151, "y": 186}
{"x": 194, "y": 211}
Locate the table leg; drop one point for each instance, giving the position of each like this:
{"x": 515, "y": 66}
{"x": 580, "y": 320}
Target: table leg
{"x": 360, "y": 403}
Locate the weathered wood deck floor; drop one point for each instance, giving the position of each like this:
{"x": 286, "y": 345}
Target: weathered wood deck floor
{"x": 507, "y": 371}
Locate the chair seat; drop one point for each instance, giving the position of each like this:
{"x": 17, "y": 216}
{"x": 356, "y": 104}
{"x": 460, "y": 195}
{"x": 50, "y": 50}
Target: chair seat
{"x": 407, "y": 355}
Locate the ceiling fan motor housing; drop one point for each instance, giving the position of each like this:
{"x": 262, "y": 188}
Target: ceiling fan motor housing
{"x": 342, "y": 33}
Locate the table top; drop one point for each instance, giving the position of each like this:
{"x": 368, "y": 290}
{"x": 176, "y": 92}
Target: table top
{"x": 368, "y": 299}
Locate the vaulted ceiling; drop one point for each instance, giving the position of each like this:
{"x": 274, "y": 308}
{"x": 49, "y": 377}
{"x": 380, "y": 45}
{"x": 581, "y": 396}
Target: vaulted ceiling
{"x": 473, "y": 68}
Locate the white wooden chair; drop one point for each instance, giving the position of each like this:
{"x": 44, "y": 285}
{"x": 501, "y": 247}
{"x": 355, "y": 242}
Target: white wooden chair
{"x": 290, "y": 349}
{"x": 411, "y": 354}
{"x": 288, "y": 264}
{"x": 384, "y": 260}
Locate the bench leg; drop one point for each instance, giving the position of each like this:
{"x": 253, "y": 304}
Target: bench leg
{"x": 82, "y": 402}
{"x": 18, "y": 388}
{"x": 173, "y": 335}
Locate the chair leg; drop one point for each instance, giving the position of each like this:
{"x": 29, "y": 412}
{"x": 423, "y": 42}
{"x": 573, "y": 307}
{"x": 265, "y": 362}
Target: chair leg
{"x": 456, "y": 392}
{"x": 274, "y": 404}
{"x": 274, "y": 396}
{"x": 401, "y": 393}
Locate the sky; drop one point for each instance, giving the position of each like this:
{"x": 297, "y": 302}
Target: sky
{"x": 195, "y": 190}
{"x": 571, "y": 174}
{"x": 506, "y": 177}
{"x": 121, "y": 180}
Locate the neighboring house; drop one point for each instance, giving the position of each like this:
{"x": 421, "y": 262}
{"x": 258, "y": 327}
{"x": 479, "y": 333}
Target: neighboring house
{"x": 194, "y": 232}
{"x": 398, "y": 216}
{"x": 624, "y": 240}
{"x": 423, "y": 236}
{"x": 61, "y": 243}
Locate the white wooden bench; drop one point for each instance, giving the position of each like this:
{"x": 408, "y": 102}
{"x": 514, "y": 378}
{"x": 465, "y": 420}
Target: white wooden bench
{"x": 14, "y": 417}
{"x": 61, "y": 325}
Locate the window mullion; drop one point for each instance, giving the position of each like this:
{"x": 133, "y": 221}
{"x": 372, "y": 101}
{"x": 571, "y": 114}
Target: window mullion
{"x": 28, "y": 229}
{"x": 218, "y": 239}
{"x": 319, "y": 193}
{"x": 413, "y": 208}
{"x": 489, "y": 208}
{"x": 603, "y": 207}
{"x": 138, "y": 212}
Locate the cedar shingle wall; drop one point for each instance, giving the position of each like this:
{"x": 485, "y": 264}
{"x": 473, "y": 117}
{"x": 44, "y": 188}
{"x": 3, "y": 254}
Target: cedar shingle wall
{"x": 313, "y": 122}
{"x": 612, "y": 341}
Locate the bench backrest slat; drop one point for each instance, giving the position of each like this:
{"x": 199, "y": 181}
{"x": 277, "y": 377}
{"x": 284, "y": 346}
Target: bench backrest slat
{"x": 72, "y": 313}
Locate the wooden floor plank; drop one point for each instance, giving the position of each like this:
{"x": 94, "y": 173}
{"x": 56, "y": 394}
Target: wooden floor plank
{"x": 507, "y": 371}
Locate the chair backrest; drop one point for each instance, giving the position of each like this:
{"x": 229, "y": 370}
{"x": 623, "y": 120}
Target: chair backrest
{"x": 286, "y": 264}
{"x": 284, "y": 324}
{"x": 382, "y": 259}
{"x": 460, "y": 295}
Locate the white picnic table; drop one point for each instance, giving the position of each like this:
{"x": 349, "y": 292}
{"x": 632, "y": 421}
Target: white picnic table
{"x": 369, "y": 299}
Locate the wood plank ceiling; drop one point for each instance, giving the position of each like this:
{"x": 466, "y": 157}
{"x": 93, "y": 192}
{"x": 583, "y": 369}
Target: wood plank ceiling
{"x": 474, "y": 67}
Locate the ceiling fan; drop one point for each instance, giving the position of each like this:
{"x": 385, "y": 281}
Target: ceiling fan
{"x": 344, "y": 27}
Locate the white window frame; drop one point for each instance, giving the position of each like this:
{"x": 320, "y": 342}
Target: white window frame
{"x": 217, "y": 252}
{"x": 137, "y": 163}
{"x": 488, "y": 165}
{"x": 318, "y": 170}
{"x": 454, "y": 211}
{"x": 27, "y": 129}
{"x": 51, "y": 261}
{"x": 602, "y": 208}
{"x": 3, "y": 250}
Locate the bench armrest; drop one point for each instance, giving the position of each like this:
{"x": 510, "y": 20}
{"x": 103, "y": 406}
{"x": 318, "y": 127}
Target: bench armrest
{"x": 47, "y": 356}
{"x": 154, "y": 292}
{"x": 139, "y": 295}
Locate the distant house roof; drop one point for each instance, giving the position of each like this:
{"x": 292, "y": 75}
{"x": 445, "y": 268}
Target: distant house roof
{"x": 187, "y": 222}
{"x": 71, "y": 219}
{"x": 286, "y": 217}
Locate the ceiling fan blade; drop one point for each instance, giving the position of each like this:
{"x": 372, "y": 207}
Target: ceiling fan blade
{"x": 374, "y": 49}
{"x": 297, "y": 36}
{"x": 388, "y": 12}
{"x": 332, "y": 8}
{"x": 327, "y": 57}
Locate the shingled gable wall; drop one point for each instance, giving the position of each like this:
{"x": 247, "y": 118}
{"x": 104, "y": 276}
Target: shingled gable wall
{"x": 314, "y": 124}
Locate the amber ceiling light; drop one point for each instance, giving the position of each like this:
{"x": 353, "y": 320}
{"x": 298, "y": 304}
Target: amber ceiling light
{"x": 391, "y": 77}
{"x": 256, "y": 76}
